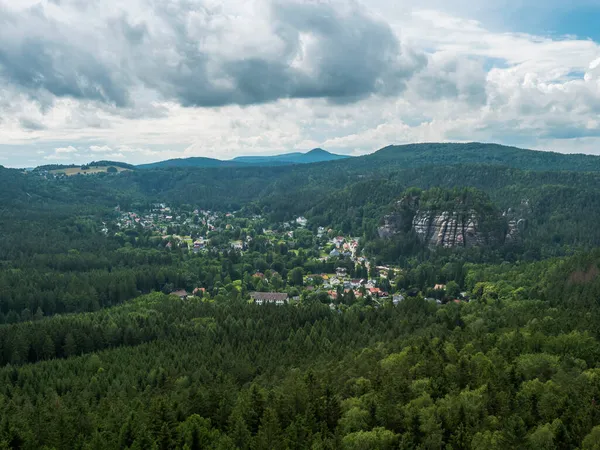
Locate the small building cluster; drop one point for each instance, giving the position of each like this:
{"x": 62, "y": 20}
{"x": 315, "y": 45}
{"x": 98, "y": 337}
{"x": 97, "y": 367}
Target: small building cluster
{"x": 272, "y": 298}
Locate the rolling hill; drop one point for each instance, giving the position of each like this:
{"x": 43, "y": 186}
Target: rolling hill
{"x": 197, "y": 162}
{"x": 391, "y": 157}
{"x": 313, "y": 156}
{"x": 450, "y": 154}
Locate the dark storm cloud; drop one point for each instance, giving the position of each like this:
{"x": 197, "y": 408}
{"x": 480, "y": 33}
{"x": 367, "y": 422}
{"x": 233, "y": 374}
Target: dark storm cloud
{"x": 349, "y": 56}
{"x": 37, "y": 55}
{"x": 61, "y": 70}
{"x": 353, "y": 55}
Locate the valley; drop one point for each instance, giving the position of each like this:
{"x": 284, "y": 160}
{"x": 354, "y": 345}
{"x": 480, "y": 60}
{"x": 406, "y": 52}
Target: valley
{"x": 418, "y": 297}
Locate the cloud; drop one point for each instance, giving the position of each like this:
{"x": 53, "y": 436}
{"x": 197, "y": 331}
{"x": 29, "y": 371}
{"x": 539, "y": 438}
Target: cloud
{"x": 31, "y": 124}
{"x": 309, "y": 50}
{"x": 38, "y": 54}
{"x": 61, "y": 155}
{"x": 114, "y": 156}
{"x": 454, "y": 77}
{"x": 63, "y": 150}
{"x": 100, "y": 149}
{"x": 146, "y": 80}
{"x": 195, "y": 53}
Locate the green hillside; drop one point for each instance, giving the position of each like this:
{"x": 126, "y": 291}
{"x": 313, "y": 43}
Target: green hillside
{"x": 198, "y": 162}
{"x": 127, "y": 320}
{"x": 421, "y": 155}
{"x": 313, "y": 156}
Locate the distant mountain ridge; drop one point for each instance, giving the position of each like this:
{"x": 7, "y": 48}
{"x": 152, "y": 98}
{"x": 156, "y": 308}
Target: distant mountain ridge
{"x": 451, "y": 154}
{"x": 410, "y": 156}
{"x": 313, "y": 156}
{"x": 196, "y": 161}
{"x": 103, "y": 163}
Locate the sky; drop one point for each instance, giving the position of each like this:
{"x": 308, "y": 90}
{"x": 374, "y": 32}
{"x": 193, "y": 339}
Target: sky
{"x": 148, "y": 80}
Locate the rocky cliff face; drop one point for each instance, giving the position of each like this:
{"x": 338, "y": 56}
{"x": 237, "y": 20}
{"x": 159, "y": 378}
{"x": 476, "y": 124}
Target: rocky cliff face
{"x": 463, "y": 227}
{"x": 450, "y": 229}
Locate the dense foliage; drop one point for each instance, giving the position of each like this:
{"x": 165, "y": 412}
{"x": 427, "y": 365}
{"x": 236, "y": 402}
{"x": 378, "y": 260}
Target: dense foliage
{"x": 516, "y": 367}
{"x": 486, "y": 347}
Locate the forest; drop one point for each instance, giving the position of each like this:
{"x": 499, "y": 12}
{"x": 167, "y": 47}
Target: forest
{"x": 487, "y": 347}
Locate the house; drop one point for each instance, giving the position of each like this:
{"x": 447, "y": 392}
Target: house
{"x": 301, "y": 221}
{"x": 182, "y": 294}
{"x": 199, "y": 244}
{"x": 356, "y": 283}
{"x": 199, "y": 291}
{"x": 332, "y": 294}
{"x": 439, "y": 287}
{"x": 340, "y": 272}
{"x": 396, "y": 299}
{"x": 274, "y": 298}
{"x": 334, "y": 252}
{"x": 375, "y": 292}
{"x": 237, "y": 245}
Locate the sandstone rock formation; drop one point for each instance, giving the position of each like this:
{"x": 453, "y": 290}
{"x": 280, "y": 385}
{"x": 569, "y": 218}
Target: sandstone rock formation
{"x": 462, "y": 227}
{"x": 449, "y": 229}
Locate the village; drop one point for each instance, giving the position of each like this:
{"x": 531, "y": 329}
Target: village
{"x": 350, "y": 276}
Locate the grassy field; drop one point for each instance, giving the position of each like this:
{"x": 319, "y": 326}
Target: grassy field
{"x": 77, "y": 170}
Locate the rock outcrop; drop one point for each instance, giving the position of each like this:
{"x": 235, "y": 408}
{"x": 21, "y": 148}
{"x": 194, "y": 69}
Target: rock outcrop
{"x": 450, "y": 229}
{"x": 464, "y": 226}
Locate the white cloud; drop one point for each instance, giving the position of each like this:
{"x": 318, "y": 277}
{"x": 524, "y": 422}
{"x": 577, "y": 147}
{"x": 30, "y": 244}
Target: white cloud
{"x": 60, "y": 157}
{"x": 459, "y": 80}
{"x": 100, "y": 149}
{"x": 64, "y": 150}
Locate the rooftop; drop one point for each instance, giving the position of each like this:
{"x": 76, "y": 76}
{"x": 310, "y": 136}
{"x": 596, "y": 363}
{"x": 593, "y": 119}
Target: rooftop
{"x": 268, "y": 296}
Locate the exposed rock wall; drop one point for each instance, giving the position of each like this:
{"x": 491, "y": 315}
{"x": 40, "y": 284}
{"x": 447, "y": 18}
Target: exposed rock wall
{"x": 452, "y": 223}
{"x": 449, "y": 229}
